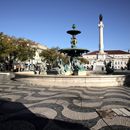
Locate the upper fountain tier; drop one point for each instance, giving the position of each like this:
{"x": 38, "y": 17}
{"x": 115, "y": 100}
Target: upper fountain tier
{"x": 73, "y": 32}
{"x": 74, "y": 51}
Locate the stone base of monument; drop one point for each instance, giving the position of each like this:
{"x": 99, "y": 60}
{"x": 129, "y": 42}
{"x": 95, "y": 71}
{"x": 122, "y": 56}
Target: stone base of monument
{"x": 99, "y": 66}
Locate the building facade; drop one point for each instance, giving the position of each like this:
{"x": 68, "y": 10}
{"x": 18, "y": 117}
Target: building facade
{"x": 118, "y": 58}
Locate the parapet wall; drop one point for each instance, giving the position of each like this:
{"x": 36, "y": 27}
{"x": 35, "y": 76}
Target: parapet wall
{"x": 84, "y": 81}
{"x": 6, "y": 76}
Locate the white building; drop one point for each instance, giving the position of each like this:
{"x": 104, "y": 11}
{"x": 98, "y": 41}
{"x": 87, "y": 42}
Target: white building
{"x": 118, "y": 58}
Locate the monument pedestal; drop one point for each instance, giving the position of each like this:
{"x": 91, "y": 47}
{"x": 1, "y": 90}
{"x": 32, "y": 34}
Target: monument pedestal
{"x": 99, "y": 65}
{"x": 101, "y": 56}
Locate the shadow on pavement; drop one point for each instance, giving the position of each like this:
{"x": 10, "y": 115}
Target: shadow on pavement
{"x": 15, "y": 116}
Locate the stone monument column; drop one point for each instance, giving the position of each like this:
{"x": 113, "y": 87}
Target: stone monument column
{"x": 101, "y": 56}
{"x": 101, "y": 26}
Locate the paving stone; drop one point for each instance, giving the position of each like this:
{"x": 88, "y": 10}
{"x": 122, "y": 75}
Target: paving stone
{"x": 118, "y": 121}
{"x": 125, "y": 111}
{"x": 99, "y": 125}
{"x": 45, "y": 111}
{"x": 119, "y": 112}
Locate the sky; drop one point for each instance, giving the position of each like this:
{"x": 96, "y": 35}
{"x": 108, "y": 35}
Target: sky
{"x": 46, "y": 22}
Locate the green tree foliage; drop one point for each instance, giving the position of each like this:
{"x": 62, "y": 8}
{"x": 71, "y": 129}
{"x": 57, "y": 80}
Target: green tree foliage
{"x": 51, "y": 55}
{"x": 24, "y": 49}
{"x": 6, "y": 47}
{"x": 15, "y": 49}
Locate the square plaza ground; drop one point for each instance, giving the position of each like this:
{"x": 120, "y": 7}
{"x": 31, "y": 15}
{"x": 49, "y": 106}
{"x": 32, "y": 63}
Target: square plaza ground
{"x": 34, "y": 107}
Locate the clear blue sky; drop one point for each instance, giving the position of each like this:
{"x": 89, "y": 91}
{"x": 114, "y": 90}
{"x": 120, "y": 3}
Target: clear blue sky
{"x": 46, "y": 21}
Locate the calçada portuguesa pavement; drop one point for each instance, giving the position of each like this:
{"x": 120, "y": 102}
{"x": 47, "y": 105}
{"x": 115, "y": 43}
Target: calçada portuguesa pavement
{"x": 36, "y": 107}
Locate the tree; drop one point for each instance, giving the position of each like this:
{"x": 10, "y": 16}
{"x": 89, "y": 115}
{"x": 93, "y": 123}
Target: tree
{"x": 6, "y": 48}
{"x": 15, "y": 49}
{"x": 51, "y": 55}
{"x": 24, "y": 49}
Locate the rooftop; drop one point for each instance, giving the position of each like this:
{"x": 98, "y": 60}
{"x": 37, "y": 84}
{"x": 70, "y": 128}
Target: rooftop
{"x": 110, "y": 52}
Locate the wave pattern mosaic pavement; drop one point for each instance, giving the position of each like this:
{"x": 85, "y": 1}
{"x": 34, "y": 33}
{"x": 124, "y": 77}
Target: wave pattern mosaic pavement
{"x": 28, "y": 107}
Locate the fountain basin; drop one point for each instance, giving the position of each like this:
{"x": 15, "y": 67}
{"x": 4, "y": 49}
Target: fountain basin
{"x": 81, "y": 81}
{"x": 75, "y": 52}
{"x": 6, "y": 76}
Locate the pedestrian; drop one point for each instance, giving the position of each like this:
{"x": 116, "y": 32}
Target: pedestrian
{"x": 35, "y": 69}
{"x": 39, "y": 69}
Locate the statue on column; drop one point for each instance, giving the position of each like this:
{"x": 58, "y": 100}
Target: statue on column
{"x": 100, "y": 17}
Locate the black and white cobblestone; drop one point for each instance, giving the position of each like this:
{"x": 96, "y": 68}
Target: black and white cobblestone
{"x": 29, "y": 107}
